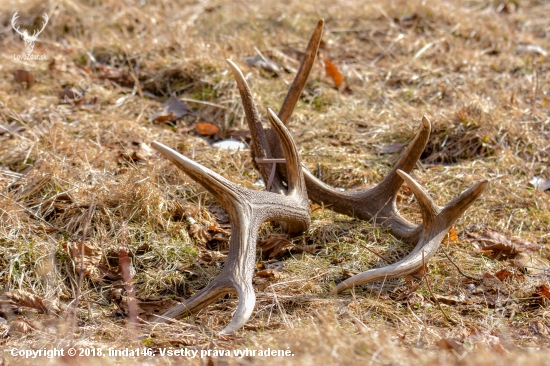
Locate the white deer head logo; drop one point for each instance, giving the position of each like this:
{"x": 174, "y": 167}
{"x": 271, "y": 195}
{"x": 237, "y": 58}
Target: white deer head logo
{"x": 29, "y": 40}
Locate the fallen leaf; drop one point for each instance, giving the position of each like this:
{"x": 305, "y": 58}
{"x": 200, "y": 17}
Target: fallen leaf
{"x": 451, "y": 237}
{"x": 543, "y": 290}
{"x": 27, "y": 299}
{"x": 200, "y": 233}
{"x": 492, "y": 282}
{"x": 206, "y": 129}
{"x": 390, "y": 149}
{"x": 87, "y": 262}
{"x": 263, "y": 63}
{"x": 504, "y": 274}
{"x": 72, "y": 96}
{"x": 20, "y": 326}
{"x": 240, "y": 135}
{"x": 500, "y": 245}
{"x": 452, "y": 344}
{"x": 24, "y": 77}
{"x": 211, "y": 257}
{"x": 275, "y": 245}
{"x": 266, "y": 273}
{"x": 333, "y": 72}
{"x": 173, "y": 110}
{"x": 16, "y": 300}
{"x": 532, "y": 264}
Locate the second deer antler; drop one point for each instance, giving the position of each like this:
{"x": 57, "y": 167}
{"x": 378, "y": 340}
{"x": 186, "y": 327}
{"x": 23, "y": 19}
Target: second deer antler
{"x": 377, "y": 203}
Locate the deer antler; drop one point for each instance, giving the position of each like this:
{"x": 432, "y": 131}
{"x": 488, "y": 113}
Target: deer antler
{"x": 436, "y": 223}
{"x": 377, "y": 203}
{"x": 247, "y": 210}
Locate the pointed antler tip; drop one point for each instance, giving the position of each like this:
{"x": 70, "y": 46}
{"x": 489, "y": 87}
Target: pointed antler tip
{"x": 426, "y": 124}
{"x": 321, "y": 22}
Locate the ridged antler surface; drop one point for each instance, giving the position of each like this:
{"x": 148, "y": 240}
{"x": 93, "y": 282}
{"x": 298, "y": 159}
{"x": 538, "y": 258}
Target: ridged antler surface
{"x": 436, "y": 223}
{"x": 378, "y": 203}
{"x": 247, "y": 210}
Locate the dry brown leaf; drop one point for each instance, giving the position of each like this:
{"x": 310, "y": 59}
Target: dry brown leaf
{"x": 333, "y": 72}
{"x": 24, "y": 77}
{"x": 451, "y": 237}
{"x": 543, "y": 291}
{"x": 19, "y": 326}
{"x": 200, "y": 233}
{"x": 451, "y": 344}
{"x": 72, "y": 96}
{"x": 504, "y": 274}
{"x": 89, "y": 261}
{"x": 119, "y": 76}
{"x": 532, "y": 264}
{"x": 501, "y": 245}
{"x": 206, "y": 129}
{"x": 240, "y": 135}
{"x": 27, "y": 299}
{"x": 266, "y": 273}
{"x": 173, "y": 110}
{"x": 492, "y": 282}
{"x": 211, "y": 257}
{"x": 275, "y": 245}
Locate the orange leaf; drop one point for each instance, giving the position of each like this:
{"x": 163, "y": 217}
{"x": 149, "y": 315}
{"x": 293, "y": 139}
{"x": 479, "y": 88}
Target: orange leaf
{"x": 451, "y": 237}
{"x": 206, "y": 129}
{"x": 333, "y": 72}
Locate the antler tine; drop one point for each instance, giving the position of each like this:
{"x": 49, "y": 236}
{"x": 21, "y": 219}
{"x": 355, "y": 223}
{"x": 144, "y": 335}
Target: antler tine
{"x": 295, "y": 175}
{"x": 377, "y": 203}
{"x": 260, "y": 146}
{"x": 437, "y": 222}
{"x": 302, "y": 75}
{"x": 247, "y": 210}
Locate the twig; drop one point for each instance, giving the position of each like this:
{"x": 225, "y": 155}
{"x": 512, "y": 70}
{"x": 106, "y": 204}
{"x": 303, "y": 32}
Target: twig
{"x": 430, "y": 290}
{"x": 375, "y": 253}
{"x": 459, "y": 271}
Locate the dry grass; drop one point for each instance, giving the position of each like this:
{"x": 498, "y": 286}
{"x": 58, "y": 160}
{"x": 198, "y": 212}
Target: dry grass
{"x": 93, "y": 175}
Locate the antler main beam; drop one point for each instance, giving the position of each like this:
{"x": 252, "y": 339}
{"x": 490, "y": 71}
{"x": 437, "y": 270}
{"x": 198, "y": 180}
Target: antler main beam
{"x": 247, "y": 210}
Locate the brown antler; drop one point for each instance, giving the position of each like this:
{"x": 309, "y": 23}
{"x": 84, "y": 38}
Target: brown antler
{"x": 436, "y": 223}
{"x": 247, "y": 210}
{"x": 378, "y": 203}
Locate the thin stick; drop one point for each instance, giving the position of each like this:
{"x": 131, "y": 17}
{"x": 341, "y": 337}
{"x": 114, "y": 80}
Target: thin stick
{"x": 430, "y": 289}
{"x": 459, "y": 271}
{"x": 375, "y": 253}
